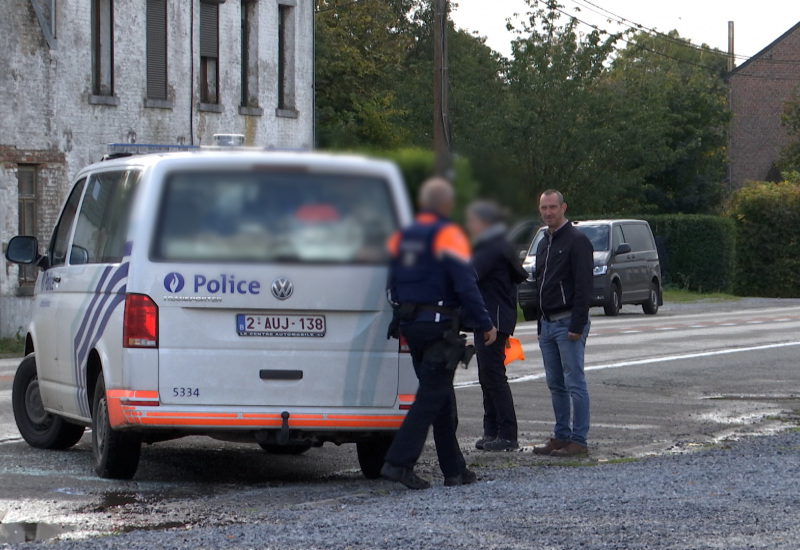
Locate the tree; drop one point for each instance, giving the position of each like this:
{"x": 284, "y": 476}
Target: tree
{"x": 561, "y": 130}
{"x": 359, "y": 48}
{"x": 679, "y": 93}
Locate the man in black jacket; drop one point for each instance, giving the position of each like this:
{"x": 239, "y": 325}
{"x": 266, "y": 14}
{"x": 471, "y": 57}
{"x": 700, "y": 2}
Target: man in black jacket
{"x": 564, "y": 263}
{"x": 499, "y": 272}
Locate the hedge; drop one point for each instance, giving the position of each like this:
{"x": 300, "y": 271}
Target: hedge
{"x": 417, "y": 166}
{"x": 767, "y": 216}
{"x": 697, "y": 252}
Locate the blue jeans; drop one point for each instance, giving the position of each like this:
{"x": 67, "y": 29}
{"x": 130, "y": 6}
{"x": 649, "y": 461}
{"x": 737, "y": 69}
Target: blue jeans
{"x": 563, "y": 366}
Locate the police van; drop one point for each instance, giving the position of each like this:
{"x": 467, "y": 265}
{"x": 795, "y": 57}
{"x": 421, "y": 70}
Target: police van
{"x": 237, "y": 294}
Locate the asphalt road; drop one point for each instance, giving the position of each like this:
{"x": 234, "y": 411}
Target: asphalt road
{"x": 687, "y": 378}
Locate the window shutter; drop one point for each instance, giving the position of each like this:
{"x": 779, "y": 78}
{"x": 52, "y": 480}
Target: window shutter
{"x": 157, "y": 49}
{"x": 209, "y": 29}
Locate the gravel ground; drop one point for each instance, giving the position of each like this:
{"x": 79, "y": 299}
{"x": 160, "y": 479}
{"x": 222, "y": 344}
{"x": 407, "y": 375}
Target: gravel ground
{"x": 731, "y": 497}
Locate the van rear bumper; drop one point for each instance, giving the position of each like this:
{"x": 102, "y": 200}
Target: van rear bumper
{"x": 141, "y": 410}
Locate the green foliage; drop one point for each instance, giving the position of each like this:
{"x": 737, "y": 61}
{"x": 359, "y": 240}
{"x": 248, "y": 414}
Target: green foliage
{"x": 12, "y": 346}
{"x": 767, "y": 216}
{"x": 700, "y": 250}
{"x": 417, "y": 166}
{"x": 618, "y": 129}
{"x": 679, "y": 102}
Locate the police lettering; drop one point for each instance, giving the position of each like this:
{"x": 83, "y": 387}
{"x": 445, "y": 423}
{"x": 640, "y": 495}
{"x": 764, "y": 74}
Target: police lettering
{"x": 225, "y": 284}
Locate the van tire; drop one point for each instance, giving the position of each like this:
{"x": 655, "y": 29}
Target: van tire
{"x": 39, "y": 428}
{"x": 371, "y": 454}
{"x": 116, "y": 453}
{"x": 650, "y": 307}
{"x": 291, "y": 449}
{"x": 614, "y": 303}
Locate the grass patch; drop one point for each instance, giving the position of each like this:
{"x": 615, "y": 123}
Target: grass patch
{"x": 12, "y": 346}
{"x": 678, "y": 295}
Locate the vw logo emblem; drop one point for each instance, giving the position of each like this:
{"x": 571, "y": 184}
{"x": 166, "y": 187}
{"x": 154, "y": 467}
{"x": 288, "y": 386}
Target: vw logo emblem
{"x": 174, "y": 282}
{"x": 282, "y": 288}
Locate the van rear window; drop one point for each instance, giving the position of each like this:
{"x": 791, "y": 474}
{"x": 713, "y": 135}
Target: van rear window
{"x": 274, "y": 217}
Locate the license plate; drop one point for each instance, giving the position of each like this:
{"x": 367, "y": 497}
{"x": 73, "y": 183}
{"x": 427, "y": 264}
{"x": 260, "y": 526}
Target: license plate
{"x": 279, "y": 325}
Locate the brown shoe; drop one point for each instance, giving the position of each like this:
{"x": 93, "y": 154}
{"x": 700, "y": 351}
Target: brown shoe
{"x": 573, "y": 450}
{"x": 552, "y": 445}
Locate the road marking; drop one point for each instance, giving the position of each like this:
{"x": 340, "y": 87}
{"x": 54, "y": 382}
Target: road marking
{"x": 638, "y": 362}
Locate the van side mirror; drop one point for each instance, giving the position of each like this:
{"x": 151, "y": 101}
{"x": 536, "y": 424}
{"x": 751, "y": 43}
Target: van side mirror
{"x": 522, "y": 255}
{"x": 78, "y": 255}
{"x": 624, "y": 248}
{"x": 23, "y": 249}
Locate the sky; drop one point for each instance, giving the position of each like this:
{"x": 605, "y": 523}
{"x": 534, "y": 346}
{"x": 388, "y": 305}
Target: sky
{"x": 756, "y": 22}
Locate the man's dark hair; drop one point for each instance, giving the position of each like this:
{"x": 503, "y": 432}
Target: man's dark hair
{"x": 556, "y": 193}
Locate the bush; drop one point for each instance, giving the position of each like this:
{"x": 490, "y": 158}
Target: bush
{"x": 697, "y": 252}
{"x": 767, "y": 216}
{"x": 417, "y": 166}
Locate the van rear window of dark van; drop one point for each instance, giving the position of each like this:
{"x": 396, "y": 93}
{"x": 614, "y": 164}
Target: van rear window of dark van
{"x": 274, "y": 217}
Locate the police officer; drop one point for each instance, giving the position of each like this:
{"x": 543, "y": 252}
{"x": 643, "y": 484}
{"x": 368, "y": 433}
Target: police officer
{"x": 432, "y": 285}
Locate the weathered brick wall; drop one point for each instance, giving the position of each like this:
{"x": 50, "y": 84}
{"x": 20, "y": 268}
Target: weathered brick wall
{"x": 47, "y": 118}
{"x": 759, "y": 90}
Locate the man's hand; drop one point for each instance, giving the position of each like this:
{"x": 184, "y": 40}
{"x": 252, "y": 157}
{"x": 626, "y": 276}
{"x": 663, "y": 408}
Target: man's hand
{"x": 572, "y": 337}
{"x": 490, "y": 336}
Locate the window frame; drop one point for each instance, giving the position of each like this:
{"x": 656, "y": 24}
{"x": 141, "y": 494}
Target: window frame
{"x": 208, "y": 54}
{"x": 27, "y": 274}
{"x": 99, "y": 53}
{"x": 157, "y": 45}
{"x": 286, "y": 62}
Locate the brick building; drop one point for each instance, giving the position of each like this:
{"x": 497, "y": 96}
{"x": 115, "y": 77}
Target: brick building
{"x": 759, "y": 89}
{"x": 80, "y": 74}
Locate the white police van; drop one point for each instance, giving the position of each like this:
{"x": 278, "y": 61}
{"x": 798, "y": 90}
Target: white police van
{"x": 236, "y": 294}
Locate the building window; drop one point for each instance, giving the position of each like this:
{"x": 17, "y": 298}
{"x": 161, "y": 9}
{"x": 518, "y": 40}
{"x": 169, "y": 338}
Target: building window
{"x": 27, "y": 191}
{"x": 103, "y": 47}
{"x": 209, "y": 52}
{"x": 156, "y": 47}
{"x": 249, "y": 40}
{"x": 286, "y": 58}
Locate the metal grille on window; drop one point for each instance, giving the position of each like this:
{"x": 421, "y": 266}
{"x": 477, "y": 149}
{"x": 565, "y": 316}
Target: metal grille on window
{"x": 157, "y": 49}
{"x": 27, "y": 192}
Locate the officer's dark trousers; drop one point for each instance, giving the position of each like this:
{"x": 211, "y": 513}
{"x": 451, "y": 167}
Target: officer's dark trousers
{"x": 435, "y": 406}
{"x": 499, "y": 418}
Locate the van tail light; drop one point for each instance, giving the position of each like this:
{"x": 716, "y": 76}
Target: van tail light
{"x": 140, "y": 325}
{"x": 404, "y": 345}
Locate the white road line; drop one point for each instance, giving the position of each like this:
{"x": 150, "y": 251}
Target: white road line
{"x": 665, "y": 359}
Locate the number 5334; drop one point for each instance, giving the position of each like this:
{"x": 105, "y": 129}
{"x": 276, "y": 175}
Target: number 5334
{"x": 185, "y": 392}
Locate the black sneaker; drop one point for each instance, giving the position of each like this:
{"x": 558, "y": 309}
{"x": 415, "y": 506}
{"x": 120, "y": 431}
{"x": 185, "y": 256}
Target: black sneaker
{"x": 406, "y": 476}
{"x": 467, "y": 477}
{"x": 483, "y": 441}
{"x": 501, "y": 445}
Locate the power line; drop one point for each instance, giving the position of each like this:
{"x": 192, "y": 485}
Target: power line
{"x": 589, "y": 5}
{"x": 666, "y": 55}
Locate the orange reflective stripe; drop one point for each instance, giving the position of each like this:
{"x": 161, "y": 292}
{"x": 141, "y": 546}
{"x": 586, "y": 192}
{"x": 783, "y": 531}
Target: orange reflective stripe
{"x": 116, "y": 416}
{"x": 427, "y": 218}
{"x": 393, "y": 245}
{"x": 452, "y": 241}
{"x": 132, "y": 415}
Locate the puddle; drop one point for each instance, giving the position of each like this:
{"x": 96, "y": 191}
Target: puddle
{"x": 14, "y": 533}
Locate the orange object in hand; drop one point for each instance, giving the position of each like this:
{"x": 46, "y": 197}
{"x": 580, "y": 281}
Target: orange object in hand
{"x": 513, "y": 351}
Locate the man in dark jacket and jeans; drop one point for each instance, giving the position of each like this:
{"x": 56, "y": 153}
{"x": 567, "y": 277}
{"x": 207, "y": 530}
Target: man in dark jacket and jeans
{"x": 564, "y": 264}
{"x": 499, "y": 272}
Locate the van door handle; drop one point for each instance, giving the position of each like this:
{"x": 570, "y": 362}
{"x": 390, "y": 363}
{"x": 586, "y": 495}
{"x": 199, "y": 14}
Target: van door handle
{"x": 56, "y": 279}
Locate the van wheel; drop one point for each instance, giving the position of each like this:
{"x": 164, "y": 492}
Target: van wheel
{"x": 614, "y": 301}
{"x": 291, "y": 449}
{"x": 38, "y": 427}
{"x": 650, "y": 307}
{"x": 116, "y": 453}
{"x": 371, "y": 455}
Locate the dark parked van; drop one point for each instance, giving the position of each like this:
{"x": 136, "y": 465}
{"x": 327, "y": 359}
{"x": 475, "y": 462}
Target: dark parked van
{"x": 626, "y": 267}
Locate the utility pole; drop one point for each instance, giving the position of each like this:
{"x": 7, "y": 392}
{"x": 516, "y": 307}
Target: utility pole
{"x": 441, "y": 133}
{"x": 731, "y": 55}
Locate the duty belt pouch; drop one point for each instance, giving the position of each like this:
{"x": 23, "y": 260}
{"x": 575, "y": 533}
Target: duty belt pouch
{"x": 402, "y": 312}
{"x": 450, "y": 351}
